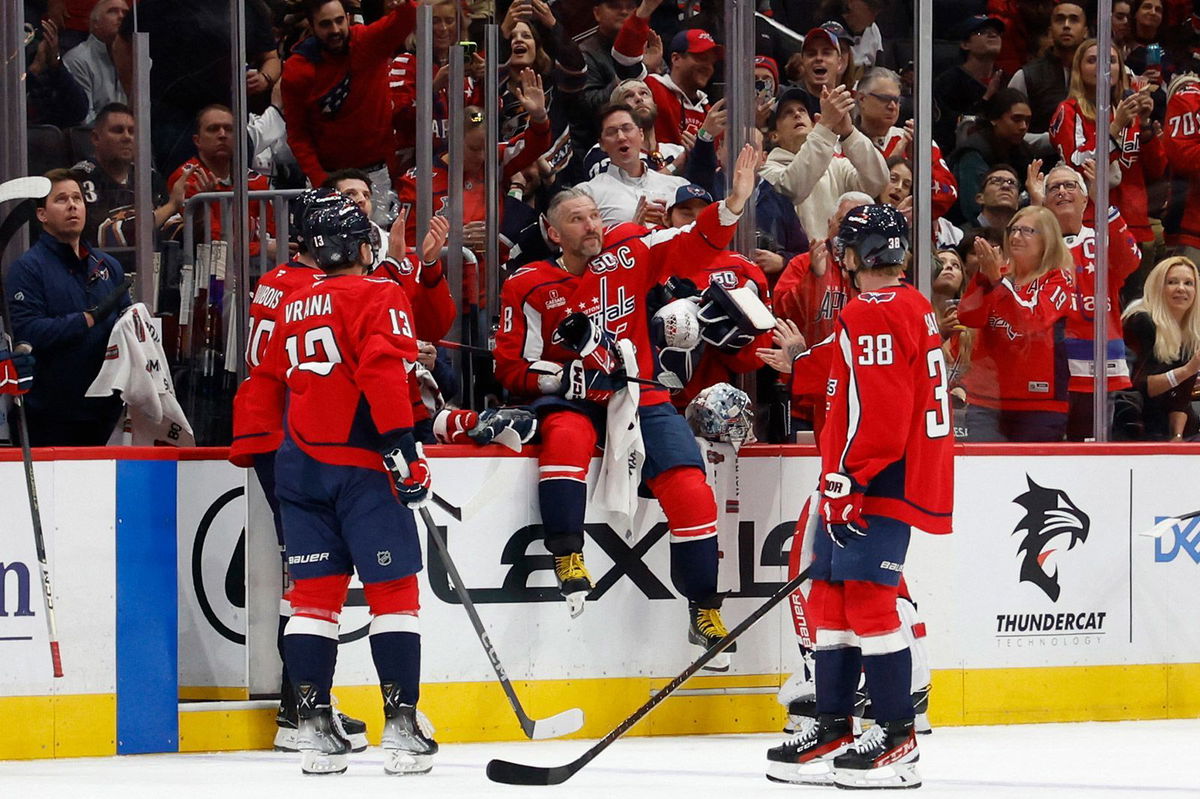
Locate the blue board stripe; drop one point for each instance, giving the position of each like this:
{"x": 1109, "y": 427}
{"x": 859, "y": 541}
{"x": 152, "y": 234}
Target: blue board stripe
{"x": 147, "y": 608}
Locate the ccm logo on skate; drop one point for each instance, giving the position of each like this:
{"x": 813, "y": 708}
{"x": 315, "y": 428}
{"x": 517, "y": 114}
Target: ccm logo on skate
{"x": 898, "y": 754}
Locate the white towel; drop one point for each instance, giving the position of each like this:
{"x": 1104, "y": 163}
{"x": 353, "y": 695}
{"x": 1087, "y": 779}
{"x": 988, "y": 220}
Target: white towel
{"x": 721, "y": 467}
{"x": 136, "y": 366}
{"x": 624, "y": 451}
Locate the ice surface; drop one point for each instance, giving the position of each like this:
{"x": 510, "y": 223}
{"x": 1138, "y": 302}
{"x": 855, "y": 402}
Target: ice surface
{"x": 1115, "y": 759}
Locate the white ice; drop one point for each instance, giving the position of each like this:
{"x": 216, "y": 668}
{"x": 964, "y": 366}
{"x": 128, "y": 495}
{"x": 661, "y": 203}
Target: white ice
{"x": 1115, "y": 759}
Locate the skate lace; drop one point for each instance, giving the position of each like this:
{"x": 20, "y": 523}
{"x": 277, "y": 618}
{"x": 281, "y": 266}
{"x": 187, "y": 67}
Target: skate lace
{"x": 570, "y": 567}
{"x": 871, "y": 739}
{"x": 709, "y": 623}
{"x": 807, "y": 735}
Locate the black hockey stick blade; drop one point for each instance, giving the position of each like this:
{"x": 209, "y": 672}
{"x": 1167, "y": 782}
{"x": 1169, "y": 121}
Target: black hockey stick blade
{"x": 511, "y": 773}
{"x": 560, "y": 724}
{"x": 21, "y": 214}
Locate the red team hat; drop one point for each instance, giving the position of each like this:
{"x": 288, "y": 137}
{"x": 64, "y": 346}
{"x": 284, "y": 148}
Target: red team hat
{"x": 695, "y": 41}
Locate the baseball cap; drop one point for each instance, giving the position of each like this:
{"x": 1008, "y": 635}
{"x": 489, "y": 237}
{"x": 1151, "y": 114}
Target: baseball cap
{"x": 794, "y": 94}
{"x": 695, "y": 41}
{"x": 978, "y": 22}
{"x": 832, "y": 31}
{"x": 690, "y": 192}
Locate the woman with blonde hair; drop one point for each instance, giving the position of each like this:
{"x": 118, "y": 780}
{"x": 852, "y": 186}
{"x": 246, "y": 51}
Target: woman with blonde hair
{"x": 1163, "y": 332}
{"x": 1135, "y": 153}
{"x": 1019, "y": 301}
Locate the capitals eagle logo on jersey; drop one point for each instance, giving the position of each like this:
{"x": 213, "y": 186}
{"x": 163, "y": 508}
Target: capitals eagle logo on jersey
{"x": 1049, "y": 513}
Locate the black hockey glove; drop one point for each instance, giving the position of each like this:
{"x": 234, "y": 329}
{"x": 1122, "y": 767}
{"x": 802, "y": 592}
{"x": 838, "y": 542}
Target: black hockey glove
{"x": 493, "y": 421}
{"x": 104, "y": 309}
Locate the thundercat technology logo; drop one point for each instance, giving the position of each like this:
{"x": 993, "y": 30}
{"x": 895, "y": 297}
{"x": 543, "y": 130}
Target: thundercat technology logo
{"x": 1049, "y": 514}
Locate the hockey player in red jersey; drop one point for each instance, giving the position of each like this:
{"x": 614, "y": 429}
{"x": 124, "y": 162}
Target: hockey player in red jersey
{"x": 348, "y": 472}
{"x": 605, "y": 275}
{"x": 887, "y": 456}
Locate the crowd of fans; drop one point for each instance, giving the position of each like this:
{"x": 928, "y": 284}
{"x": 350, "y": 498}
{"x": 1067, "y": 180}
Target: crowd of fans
{"x": 623, "y": 99}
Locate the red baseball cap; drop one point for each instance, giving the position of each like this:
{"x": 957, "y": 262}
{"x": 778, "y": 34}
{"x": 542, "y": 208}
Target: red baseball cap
{"x": 695, "y": 41}
{"x": 832, "y": 32}
{"x": 767, "y": 63}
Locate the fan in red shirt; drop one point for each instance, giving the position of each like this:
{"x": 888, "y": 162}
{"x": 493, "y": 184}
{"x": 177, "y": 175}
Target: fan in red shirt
{"x": 336, "y": 98}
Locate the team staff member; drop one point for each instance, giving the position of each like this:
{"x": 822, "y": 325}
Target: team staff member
{"x": 64, "y": 297}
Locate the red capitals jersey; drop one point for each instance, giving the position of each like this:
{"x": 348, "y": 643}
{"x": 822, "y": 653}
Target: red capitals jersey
{"x": 888, "y": 421}
{"x": 1124, "y": 258}
{"x": 1019, "y": 360}
{"x": 428, "y": 291}
{"x": 340, "y": 356}
{"x": 945, "y": 187}
{"x": 338, "y": 106}
{"x": 731, "y": 270}
{"x": 538, "y": 296}
{"x": 1183, "y": 153}
{"x": 402, "y": 80}
{"x": 254, "y": 182}
{"x": 1074, "y": 136}
{"x": 676, "y": 114}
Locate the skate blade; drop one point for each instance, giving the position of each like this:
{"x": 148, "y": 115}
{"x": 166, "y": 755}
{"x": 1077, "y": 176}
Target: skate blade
{"x": 816, "y": 773}
{"x": 719, "y": 663}
{"x": 895, "y": 776}
{"x": 318, "y": 763}
{"x": 401, "y": 763}
{"x": 576, "y": 603}
{"x": 289, "y": 741}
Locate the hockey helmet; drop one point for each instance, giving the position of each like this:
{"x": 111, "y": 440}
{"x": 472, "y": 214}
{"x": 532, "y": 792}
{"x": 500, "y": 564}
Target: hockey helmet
{"x": 335, "y": 232}
{"x": 721, "y": 412}
{"x": 300, "y": 205}
{"x": 878, "y": 235}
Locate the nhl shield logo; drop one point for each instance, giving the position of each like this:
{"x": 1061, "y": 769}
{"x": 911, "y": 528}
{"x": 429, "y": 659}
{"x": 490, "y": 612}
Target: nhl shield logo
{"x": 383, "y": 557}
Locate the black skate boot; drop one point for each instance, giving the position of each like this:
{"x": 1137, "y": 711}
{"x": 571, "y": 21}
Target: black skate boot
{"x": 574, "y": 582}
{"x": 287, "y": 721}
{"x": 408, "y": 745}
{"x": 323, "y": 748}
{"x": 802, "y": 714}
{"x": 706, "y": 628}
{"x": 920, "y": 700}
{"x": 885, "y": 756}
{"x": 807, "y": 758}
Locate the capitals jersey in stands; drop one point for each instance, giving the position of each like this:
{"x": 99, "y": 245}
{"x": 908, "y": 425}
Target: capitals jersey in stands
{"x": 1019, "y": 360}
{"x": 339, "y": 360}
{"x": 888, "y": 422}
{"x": 945, "y": 188}
{"x": 731, "y": 270}
{"x": 1182, "y": 129}
{"x": 1124, "y": 258}
{"x": 613, "y": 289}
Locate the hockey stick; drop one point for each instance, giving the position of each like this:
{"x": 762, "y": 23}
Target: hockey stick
{"x": 32, "y": 187}
{"x": 519, "y": 774}
{"x": 563, "y": 723}
{"x": 1160, "y": 529}
{"x": 672, "y": 383}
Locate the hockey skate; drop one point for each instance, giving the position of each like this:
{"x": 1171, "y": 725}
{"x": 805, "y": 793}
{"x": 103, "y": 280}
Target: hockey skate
{"x": 574, "y": 582}
{"x": 705, "y": 629}
{"x": 323, "y": 748}
{"x": 408, "y": 745}
{"x": 807, "y": 759}
{"x": 864, "y": 711}
{"x": 885, "y": 756}
{"x": 287, "y": 722}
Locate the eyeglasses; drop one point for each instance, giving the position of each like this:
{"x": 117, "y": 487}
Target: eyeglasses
{"x": 628, "y": 129}
{"x": 1065, "y": 185}
{"x": 1023, "y": 230}
{"x": 999, "y": 181}
{"x": 886, "y": 99}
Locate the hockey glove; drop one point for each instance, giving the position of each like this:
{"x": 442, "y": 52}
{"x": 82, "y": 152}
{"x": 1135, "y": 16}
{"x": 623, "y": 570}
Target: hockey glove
{"x": 409, "y": 471}
{"x": 841, "y": 507}
{"x": 581, "y": 383}
{"x": 104, "y": 309}
{"x": 450, "y": 426}
{"x": 595, "y": 346}
{"x": 23, "y": 363}
{"x": 493, "y": 421}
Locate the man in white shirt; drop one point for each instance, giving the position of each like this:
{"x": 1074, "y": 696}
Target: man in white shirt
{"x": 627, "y": 179}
